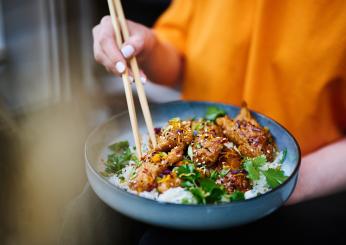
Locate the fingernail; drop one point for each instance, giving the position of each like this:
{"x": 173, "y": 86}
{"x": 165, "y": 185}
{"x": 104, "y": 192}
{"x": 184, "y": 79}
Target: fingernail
{"x": 127, "y": 51}
{"x": 131, "y": 79}
{"x": 120, "y": 67}
{"x": 143, "y": 79}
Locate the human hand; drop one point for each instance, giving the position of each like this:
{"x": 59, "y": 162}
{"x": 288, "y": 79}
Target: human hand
{"x": 107, "y": 53}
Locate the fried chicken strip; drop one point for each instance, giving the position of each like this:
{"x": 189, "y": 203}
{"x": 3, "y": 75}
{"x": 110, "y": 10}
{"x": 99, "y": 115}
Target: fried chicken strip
{"x": 152, "y": 165}
{"x": 175, "y": 133}
{"x": 229, "y": 159}
{"x": 235, "y": 181}
{"x": 173, "y": 139}
{"x": 207, "y": 144}
{"x": 251, "y": 139}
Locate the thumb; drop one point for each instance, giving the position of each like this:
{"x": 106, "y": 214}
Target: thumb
{"x": 133, "y": 46}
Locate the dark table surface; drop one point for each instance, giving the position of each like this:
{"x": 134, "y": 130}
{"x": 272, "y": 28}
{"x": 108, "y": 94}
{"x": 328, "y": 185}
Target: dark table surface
{"x": 89, "y": 221}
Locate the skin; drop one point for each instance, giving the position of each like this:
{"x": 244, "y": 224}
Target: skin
{"x": 147, "y": 48}
{"x": 322, "y": 172}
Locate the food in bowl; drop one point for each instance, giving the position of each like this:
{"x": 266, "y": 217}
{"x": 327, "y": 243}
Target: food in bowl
{"x": 210, "y": 160}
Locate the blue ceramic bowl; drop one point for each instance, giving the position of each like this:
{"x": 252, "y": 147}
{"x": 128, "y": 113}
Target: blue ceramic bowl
{"x": 179, "y": 215}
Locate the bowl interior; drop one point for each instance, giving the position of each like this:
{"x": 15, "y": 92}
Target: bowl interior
{"x": 118, "y": 128}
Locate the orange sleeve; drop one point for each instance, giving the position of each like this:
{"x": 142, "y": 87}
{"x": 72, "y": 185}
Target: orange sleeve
{"x": 172, "y": 26}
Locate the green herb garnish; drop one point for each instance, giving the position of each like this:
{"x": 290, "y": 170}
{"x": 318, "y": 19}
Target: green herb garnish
{"x": 214, "y": 112}
{"x": 198, "y": 126}
{"x": 252, "y": 166}
{"x": 119, "y": 146}
{"x": 214, "y": 175}
{"x": 119, "y": 158}
{"x": 284, "y": 155}
{"x": 274, "y": 177}
{"x": 204, "y": 189}
{"x": 237, "y": 195}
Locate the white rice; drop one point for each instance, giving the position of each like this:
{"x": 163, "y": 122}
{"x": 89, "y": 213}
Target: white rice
{"x": 179, "y": 194}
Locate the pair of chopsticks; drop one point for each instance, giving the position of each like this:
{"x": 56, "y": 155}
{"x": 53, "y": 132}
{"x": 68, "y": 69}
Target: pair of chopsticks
{"x": 122, "y": 33}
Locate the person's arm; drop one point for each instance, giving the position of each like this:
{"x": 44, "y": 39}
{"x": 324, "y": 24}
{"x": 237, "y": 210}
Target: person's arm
{"x": 159, "y": 61}
{"x": 322, "y": 172}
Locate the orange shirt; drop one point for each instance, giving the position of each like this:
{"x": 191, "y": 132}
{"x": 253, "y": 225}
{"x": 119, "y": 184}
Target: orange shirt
{"x": 286, "y": 59}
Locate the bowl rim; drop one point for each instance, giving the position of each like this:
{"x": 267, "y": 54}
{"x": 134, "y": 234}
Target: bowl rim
{"x": 218, "y": 205}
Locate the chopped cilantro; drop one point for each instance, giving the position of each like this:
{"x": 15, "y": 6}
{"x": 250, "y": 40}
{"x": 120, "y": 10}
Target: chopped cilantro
{"x": 119, "y": 158}
{"x": 274, "y": 177}
{"x": 216, "y": 194}
{"x": 214, "y": 112}
{"x": 259, "y": 161}
{"x": 204, "y": 189}
{"x": 207, "y": 184}
{"x": 284, "y": 155}
{"x": 252, "y": 166}
{"x": 198, "y": 126}
{"x": 252, "y": 171}
{"x": 214, "y": 175}
{"x": 198, "y": 194}
{"x": 237, "y": 195}
{"x": 187, "y": 184}
{"x": 119, "y": 146}
{"x": 185, "y": 201}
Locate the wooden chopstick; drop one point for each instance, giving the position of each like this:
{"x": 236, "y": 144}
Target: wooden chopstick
{"x": 135, "y": 69}
{"x": 127, "y": 86}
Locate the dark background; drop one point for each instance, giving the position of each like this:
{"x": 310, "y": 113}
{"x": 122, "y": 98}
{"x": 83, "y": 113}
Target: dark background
{"x": 51, "y": 95}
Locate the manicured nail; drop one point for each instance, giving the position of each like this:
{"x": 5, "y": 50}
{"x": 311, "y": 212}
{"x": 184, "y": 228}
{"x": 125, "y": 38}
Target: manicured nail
{"x": 143, "y": 79}
{"x": 131, "y": 79}
{"x": 127, "y": 51}
{"x": 120, "y": 67}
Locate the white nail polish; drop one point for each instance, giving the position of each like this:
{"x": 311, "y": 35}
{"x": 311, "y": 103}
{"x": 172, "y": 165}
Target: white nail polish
{"x": 131, "y": 79}
{"x": 143, "y": 79}
{"x": 120, "y": 67}
{"x": 127, "y": 51}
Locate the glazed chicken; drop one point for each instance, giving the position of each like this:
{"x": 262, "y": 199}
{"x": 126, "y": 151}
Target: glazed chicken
{"x": 235, "y": 180}
{"x": 221, "y": 145}
{"x": 229, "y": 159}
{"x": 176, "y": 133}
{"x": 207, "y": 144}
{"x": 251, "y": 139}
{"x": 172, "y": 142}
{"x": 168, "y": 181}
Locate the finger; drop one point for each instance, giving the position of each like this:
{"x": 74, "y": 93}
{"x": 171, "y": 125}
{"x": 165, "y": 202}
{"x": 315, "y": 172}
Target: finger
{"x": 110, "y": 49}
{"x": 135, "y": 44}
{"x": 104, "y": 36}
{"x": 142, "y": 76}
{"x": 106, "y": 20}
{"x": 99, "y": 55}
{"x": 130, "y": 76}
{"x": 103, "y": 59}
